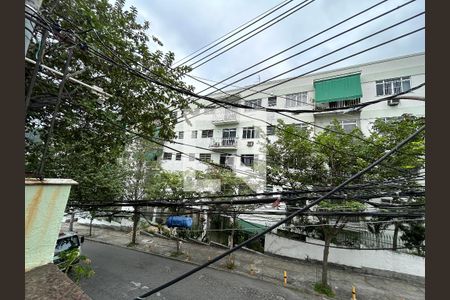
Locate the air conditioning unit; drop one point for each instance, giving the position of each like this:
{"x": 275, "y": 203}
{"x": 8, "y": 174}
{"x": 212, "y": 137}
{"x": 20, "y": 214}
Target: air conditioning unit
{"x": 393, "y": 102}
{"x": 250, "y": 144}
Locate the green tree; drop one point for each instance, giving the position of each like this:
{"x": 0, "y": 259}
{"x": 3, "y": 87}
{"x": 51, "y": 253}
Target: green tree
{"x": 90, "y": 131}
{"x": 408, "y": 163}
{"x": 414, "y": 237}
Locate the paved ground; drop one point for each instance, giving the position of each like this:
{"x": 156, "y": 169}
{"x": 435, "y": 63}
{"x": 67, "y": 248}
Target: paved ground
{"x": 301, "y": 275}
{"x": 124, "y": 274}
{"x": 47, "y": 282}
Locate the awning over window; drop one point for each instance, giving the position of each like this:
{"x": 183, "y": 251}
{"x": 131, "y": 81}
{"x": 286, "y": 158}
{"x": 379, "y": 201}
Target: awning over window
{"x": 338, "y": 89}
{"x": 250, "y": 227}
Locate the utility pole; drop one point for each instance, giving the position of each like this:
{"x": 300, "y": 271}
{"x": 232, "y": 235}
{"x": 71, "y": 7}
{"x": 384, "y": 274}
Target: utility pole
{"x": 31, "y": 7}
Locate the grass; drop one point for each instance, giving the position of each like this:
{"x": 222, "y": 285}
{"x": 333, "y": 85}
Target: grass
{"x": 176, "y": 254}
{"x": 324, "y": 289}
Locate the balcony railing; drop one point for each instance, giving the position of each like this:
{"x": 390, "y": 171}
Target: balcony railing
{"x": 225, "y": 117}
{"x": 338, "y": 104}
{"x": 224, "y": 143}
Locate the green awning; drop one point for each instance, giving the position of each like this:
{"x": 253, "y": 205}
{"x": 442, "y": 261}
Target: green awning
{"x": 338, "y": 89}
{"x": 250, "y": 227}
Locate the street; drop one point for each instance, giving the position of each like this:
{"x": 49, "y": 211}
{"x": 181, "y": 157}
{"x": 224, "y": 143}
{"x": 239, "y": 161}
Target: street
{"x": 124, "y": 274}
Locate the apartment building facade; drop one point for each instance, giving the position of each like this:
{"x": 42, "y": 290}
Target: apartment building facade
{"x": 236, "y": 137}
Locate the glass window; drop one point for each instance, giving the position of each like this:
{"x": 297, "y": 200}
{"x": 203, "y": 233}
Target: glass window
{"x": 256, "y": 103}
{"x": 393, "y": 86}
{"x": 207, "y": 133}
{"x": 67, "y": 243}
{"x": 167, "y": 156}
{"x": 205, "y": 156}
{"x": 406, "y": 83}
{"x": 270, "y": 130}
{"x": 248, "y": 159}
{"x": 298, "y": 99}
{"x": 248, "y": 132}
{"x": 348, "y": 125}
{"x": 272, "y": 101}
{"x": 194, "y": 134}
{"x": 178, "y": 156}
{"x": 180, "y": 135}
{"x": 379, "y": 88}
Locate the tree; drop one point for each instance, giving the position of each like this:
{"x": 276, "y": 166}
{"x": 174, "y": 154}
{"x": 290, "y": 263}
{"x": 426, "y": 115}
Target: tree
{"x": 414, "y": 237}
{"x": 299, "y": 161}
{"x": 90, "y": 133}
{"x": 410, "y": 161}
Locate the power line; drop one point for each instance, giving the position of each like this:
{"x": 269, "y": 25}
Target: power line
{"x": 276, "y": 20}
{"x": 313, "y": 46}
{"x": 236, "y": 31}
{"x": 300, "y": 211}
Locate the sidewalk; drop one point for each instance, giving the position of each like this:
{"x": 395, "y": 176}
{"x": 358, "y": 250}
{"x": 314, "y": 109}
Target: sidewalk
{"x": 301, "y": 275}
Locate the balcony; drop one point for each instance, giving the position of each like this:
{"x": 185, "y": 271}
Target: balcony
{"x": 224, "y": 143}
{"x": 225, "y": 117}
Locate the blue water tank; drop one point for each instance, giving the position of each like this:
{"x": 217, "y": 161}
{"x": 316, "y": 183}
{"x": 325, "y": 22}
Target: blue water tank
{"x": 179, "y": 221}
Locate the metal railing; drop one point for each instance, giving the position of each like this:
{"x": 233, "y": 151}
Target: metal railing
{"x": 224, "y": 142}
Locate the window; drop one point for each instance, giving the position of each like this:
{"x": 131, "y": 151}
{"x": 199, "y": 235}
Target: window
{"x": 180, "y": 135}
{"x": 256, "y": 103}
{"x": 226, "y": 159}
{"x": 67, "y": 244}
{"x": 207, "y": 133}
{"x": 205, "y": 156}
{"x": 298, "y": 99}
{"x": 178, "y": 156}
{"x": 191, "y": 156}
{"x": 229, "y": 133}
{"x": 348, "y": 125}
{"x": 167, "y": 156}
{"x": 302, "y": 126}
{"x": 393, "y": 86}
{"x": 194, "y": 134}
{"x": 270, "y": 130}
{"x": 248, "y": 132}
{"x": 344, "y": 103}
{"x": 248, "y": 159}
{"x": 272, "y": 101}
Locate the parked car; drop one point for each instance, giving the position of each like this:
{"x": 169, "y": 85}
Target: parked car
{"x": 68, "y": 242}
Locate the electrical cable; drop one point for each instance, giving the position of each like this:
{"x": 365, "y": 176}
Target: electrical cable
{"x": 276, "y": 20}
{"x": 269, "y": 229}
{"x": 245, "y": 26}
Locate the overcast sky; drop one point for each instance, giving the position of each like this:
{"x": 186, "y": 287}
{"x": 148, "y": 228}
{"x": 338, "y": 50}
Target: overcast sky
{"x": 184, "y": 26}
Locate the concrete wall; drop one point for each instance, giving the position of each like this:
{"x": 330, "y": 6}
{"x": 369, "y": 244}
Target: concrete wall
{"x": 45, "y": 202}
{"x": 384, "y": 260}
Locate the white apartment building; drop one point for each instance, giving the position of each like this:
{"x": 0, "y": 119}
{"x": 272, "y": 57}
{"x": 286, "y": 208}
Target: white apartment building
{"x": 236, "y": 137}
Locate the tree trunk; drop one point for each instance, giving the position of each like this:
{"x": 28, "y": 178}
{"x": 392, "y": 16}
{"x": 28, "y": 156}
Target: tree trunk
{"x": 90, "y": 225}
{"x": 135, "y": 224}
{"x": 326, "y": 250}
{"x": 72, "y": 216}
{"x": 395, "y": 237}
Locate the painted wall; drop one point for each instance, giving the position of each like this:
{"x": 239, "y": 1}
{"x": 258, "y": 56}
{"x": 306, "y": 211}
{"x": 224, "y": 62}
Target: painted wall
{"x": 45, "y": 202}
{"x": 375, "y": 259}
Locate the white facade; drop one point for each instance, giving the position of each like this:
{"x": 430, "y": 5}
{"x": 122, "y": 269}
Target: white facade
{"x": 410, "y": 68}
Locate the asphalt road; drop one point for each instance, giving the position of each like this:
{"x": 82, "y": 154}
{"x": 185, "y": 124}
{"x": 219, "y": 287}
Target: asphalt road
{"x": 124, "y": 274}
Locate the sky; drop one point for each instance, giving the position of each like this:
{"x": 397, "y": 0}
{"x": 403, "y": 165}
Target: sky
{"x": 184, "y": 26}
